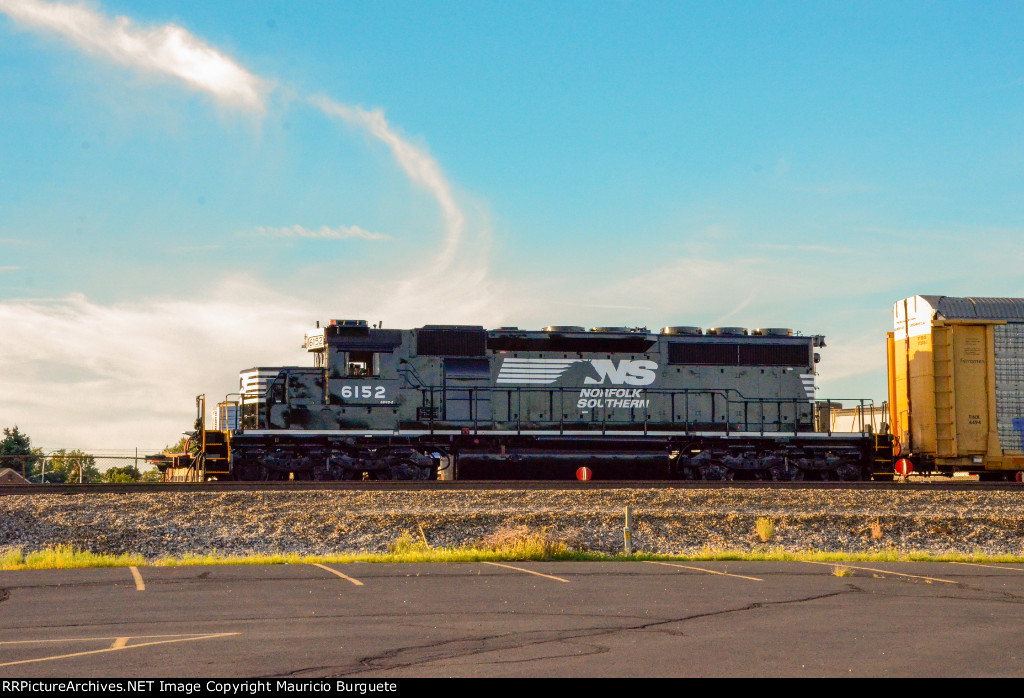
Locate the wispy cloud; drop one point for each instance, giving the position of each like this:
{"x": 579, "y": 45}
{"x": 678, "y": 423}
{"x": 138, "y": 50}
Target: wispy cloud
{"x": 813, "y": 248}
{"x": 9, "y": 268}
{"x": 835, "y": 188}
{"x": 324, "y": 233}
{"x": 417, "y": 164}
{"x": 602, "y": 306}
{"x": 102, "y": 394}
{"x": 782, "y": 173}
{"x": 739, "y": 308}
{"x": 190, "y": 249}
{"x": 171, "y": 50}
{"x": 166, "y": 50}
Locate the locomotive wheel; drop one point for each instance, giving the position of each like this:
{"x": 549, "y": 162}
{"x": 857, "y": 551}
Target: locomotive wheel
{"x": 248, "y": 471}
{"x": 404, "y": 472}
{"x": 848, "y": 472}
{"x": 786, "y": 473}
{"x": 716, "y": 472}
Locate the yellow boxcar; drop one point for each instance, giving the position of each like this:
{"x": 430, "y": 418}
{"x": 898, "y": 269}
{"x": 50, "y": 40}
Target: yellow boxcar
{"x": 956, "y": 383}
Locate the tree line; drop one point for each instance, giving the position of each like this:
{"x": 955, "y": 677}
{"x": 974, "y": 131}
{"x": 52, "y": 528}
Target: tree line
{"x": 17, "y": 453}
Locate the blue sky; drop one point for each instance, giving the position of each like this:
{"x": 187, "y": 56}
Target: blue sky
{"x": 597, "y": 163}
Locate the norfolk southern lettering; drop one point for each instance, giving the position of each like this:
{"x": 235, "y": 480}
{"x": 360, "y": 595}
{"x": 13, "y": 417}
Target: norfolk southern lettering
{"x": 612, "y": 398}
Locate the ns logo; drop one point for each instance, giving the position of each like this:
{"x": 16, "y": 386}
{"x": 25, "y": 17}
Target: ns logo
{"x": 627, "y": 372}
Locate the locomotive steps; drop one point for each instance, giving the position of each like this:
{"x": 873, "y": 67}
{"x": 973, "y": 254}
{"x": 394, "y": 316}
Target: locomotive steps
{"x": 584, "y": 523}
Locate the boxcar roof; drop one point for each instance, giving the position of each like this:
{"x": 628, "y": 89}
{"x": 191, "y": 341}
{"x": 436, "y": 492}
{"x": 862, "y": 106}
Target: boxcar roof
{"x": 953, "y": 308}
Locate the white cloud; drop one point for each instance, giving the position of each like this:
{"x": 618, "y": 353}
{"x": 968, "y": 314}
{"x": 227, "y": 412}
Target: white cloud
{"x": 417, "y": 164}
{"x": 324, "y": 232}
{"x": 166, "y": 50}
{"x": 173, "y": 51}
{"x": 81, "y": 374}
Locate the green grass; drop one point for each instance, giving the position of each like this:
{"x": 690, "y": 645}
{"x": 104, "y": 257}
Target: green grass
{"x": 64, "y": 557}
{"x": 535, "y": 547}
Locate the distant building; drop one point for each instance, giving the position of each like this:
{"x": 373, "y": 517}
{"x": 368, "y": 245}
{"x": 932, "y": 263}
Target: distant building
{"x": 11, "y": 477}
{"x": 834, "y": 418}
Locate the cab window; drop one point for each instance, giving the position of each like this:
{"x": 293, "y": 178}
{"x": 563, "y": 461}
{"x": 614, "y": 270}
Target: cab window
{"x": 361, "y": 364}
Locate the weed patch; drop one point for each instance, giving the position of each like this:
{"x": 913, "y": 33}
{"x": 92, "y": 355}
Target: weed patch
{"x": 524, "y": 544}
{"x": 765, "y": 528}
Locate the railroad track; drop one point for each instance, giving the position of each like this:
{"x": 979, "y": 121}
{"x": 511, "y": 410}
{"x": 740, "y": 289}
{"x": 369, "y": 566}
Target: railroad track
{"x": 370, "y": 486}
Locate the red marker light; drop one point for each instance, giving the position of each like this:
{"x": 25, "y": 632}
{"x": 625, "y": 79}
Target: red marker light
{"x": 584, "y": 474}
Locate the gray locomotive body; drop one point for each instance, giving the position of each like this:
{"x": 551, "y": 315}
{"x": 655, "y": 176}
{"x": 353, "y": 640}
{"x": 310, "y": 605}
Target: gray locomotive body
{"x": 462, "y": 401}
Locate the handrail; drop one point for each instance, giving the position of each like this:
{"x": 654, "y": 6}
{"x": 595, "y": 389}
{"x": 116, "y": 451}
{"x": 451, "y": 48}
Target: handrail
{"x": 725, "y": 409}
{"x": 738, "y": 413}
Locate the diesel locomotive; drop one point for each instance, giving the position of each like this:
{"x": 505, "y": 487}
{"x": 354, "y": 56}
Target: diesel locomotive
{"x": 458, "y": 401}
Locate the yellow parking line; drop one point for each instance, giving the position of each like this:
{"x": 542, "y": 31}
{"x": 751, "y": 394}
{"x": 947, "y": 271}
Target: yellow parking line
{"x": 75, "y": 639}
{"x": 139, "y": 584}
{"x": 996, "y": 567}
{"x": 701, "y": 569}
{"x": 522, "y": 569}
{"x": 120, "y": 643}
{"x": 336, "y": 572}
{"x": 117, "y": 648}
{"x": 870, "y": 569}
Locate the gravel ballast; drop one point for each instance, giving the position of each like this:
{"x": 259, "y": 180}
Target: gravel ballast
{"x": 666, "y": 521}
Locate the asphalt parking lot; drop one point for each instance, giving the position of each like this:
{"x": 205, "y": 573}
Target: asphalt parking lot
{"x": 514, "y": 619}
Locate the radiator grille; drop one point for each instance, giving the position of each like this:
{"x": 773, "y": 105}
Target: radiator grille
{"x": 451, "y": 342}
{"x": 734, "y": 354}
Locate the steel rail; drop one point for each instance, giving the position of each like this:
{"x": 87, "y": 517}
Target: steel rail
{"x": 924, "y": 484}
